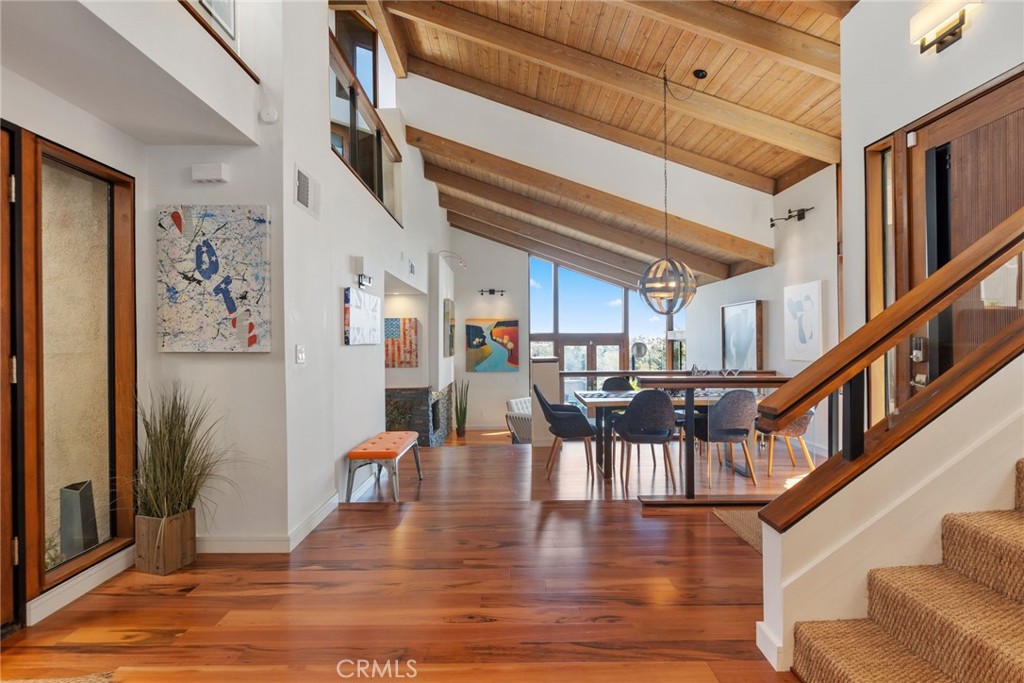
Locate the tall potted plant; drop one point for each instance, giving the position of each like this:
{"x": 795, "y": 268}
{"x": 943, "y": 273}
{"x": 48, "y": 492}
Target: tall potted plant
{"x": 461, "y": 406}
{"x": 178, "y": 458}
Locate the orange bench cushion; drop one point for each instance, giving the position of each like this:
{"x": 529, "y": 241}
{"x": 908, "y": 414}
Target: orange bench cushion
{"x": 384, "y": 445}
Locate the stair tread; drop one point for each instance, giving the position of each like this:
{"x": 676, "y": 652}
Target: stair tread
{"x": 857, "y": 651}
{"x": 987, "y": 547}
{"x": 942, "y": 615}
{"x": 1007, "y": 525}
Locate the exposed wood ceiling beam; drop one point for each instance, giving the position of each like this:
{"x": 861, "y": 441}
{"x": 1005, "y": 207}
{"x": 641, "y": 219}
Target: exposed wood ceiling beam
{"x": 749, "y": 32}
{"x": 799, "y": 172}
{"x": 542, "y": 235}
{"x": 343, "y": 6}
{"x": 835, "y": 8}
{"x": 608, "y": 74}
{"x": 392, "y": 35}
{"x": 715, "y": 270}
{"x": 588, "y": 125}
{"x": 557, "y": 255}
{"x": 680, "y": 229}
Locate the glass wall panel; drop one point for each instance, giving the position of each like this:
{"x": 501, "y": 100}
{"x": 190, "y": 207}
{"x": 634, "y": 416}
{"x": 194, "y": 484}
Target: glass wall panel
{"x": 542, "y": 307}
{"x": 647, "y": 327}
{"x": 75, "y": 297}
{"x": 587, "y": 305}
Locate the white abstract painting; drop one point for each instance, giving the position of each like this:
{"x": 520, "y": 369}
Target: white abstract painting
{"x": 362, "y": 317}
{"x": 213, "y": 278}
{"x": 803, "y": 321}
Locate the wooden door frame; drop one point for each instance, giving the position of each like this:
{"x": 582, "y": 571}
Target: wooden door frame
{"x": 10, "y": 586}
{"x": 122, "y": 336}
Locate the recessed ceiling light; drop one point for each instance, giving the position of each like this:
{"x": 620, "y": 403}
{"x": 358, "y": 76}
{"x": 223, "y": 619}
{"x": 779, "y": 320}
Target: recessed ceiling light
{"x": 700, "y": 74}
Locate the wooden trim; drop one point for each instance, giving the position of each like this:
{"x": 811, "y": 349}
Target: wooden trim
{"x": 8, "y": 597}
{"x": 392, "y": 35}
{"x": 920, "y": 410}
{"x": 220, "y": 40}
{"x": 346, "y": 6}
{"x": 980, "y": 110}
{"x": 749, "y": 32}
{"x": 69, "y": 569}
{"x": 342, "y": 69}
{"x": 966, "y": 98}
{"x": 573, "y": 221}
{"x": 896, "y": 322}
{"x": 586, "y": 124}
{"x": 798, "y": 173}
{"x": 680, "y": 229}
{"x": 609, "y": 74}
{"x": 541, "y": 235}
{"x": 561, "y": 257}
{"x": 834, "y": 8}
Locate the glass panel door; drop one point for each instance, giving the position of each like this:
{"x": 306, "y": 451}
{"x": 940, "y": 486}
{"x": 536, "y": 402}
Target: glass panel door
{"x": 574, "y": 359}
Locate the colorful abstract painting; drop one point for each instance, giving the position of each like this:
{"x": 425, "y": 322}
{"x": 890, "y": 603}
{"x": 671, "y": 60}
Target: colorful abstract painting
{"x": 401, "y": 343}
{"x": 362, "y": 317}
{"x": 492, "y": 345}
{"x": 213, "y": 278}
{"x": 449, "y": 328}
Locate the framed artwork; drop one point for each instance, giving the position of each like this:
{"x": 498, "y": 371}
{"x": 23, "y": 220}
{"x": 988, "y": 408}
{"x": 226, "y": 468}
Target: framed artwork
{"x": 449, "y": 328}
{"x": 492, "y": 345}
{"x": 223, "y": 12}
{"x": 362, "y": 317}
{"x": 401, "y": 343}
{"x": 803, "y": 321}
{"x": 213, "y": 278}
{"x": 742, "y": 345}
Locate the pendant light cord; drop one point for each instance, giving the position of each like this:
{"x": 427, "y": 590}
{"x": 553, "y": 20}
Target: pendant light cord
{"x": 664, "y": 122}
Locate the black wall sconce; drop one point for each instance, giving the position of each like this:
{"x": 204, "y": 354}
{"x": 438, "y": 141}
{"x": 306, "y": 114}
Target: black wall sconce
{"x": 938, "y": 25}
{"x": 492, "y": 292}
{"x": 364, "y": 280}
{"x": 798, "y": 214}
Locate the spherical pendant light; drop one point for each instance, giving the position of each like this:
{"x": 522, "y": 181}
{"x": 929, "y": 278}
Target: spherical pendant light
{"x": 667, "y": 286}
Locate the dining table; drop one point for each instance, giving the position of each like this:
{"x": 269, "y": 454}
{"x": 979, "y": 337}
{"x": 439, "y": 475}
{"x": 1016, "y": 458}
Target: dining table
{"x": 688, "y": 392}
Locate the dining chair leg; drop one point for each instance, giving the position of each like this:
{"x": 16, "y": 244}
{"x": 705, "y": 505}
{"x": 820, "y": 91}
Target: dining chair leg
{"x": 789, "y": 447}
{"x": 771, "y": 452}
{"x": 750, "y": 463}
{"x": 708, "y": 448}
{"x": 554, "y": 451}
{"x": 732, "y": 458}
{"x": 590, "y": 454}
{"x": 654, "y": 459}
{"x": 668, "y": 464}
{"x": 807, "y": 453}
{"x": 629, "y": 460}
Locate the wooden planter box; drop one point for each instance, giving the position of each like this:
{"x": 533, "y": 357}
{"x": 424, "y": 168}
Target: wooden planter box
{"x": 162, "y": 551}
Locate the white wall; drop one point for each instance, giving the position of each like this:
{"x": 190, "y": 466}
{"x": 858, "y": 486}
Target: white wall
{"x": 804, "y": 251}
{"x": 887, "y": 84}
{"x": 490, "y": 265}
{"x": 410, "y": 306}
{"x": 891, "y": 515}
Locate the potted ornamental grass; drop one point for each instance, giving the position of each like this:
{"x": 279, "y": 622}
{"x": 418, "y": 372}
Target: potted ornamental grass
{"x": 461, "y": 396}
{"x": 179, "y": 457}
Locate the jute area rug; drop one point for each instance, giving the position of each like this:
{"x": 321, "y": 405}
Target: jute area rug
{"x": 94, "y": 678}
{"x": 744, "y": 522}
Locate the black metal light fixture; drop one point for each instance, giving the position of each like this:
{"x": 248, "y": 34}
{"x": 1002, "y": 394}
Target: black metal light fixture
{"x": 668, "y": 285}
{"x": 798, "y": 214}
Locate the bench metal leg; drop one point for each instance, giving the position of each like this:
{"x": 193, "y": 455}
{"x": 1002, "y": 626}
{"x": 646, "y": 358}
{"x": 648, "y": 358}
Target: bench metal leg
{"x": 351, "y": 478}
{"x": 416, "y": 454}
{"x": 393, "y": 476}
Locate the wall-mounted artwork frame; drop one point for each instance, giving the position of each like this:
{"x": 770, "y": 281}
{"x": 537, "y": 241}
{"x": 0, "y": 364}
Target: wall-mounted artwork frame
{"x": 803, "y": 321}
{"x": 449, "y": 328}
{"x": 492, "y": 345}
{"x": 362, "y": 317}
{"x": 401, "y": 343}
{"x": 213, "y": 278}
{"x": 742, "y": 336}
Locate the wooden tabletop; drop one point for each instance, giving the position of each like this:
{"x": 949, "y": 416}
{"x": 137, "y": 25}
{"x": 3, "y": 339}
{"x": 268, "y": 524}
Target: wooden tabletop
{"x": 621, "y": 399}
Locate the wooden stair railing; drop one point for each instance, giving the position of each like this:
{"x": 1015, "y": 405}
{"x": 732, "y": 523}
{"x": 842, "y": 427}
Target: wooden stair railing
{"x": 847, "y": 363}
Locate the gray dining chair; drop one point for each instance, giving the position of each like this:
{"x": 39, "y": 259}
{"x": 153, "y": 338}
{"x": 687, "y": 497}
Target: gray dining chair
{"x": 566, "y": 422}
{"x": 794, "y": 430}
{"x": 648, "y": 419}
{"x": 728, "y": 421}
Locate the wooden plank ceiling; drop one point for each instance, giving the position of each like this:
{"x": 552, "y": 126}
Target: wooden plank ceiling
{"x": 766, "y": 116}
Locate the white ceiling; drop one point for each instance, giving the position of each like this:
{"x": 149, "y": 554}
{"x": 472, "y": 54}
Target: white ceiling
{"x": 68, "y": 50}
{"x": 393, "y": 285}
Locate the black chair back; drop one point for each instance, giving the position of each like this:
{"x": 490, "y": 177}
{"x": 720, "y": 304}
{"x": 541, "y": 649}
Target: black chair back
{"x": 732, "y": 417}
{"x": 649, "y": 412}
{"x": 617, "y": 384}
{"x": 545, "y": 406}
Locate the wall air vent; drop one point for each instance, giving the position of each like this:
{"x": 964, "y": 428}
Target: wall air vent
{"x": 307, "y": 193}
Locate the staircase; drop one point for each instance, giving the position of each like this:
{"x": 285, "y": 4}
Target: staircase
{"x": 961, "y": 621}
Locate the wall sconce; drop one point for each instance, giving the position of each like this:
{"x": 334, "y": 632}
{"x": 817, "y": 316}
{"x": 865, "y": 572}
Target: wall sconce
{"x": 492, "y": 292}
{"x": 451, "y": 254}
{"x": 364, "y": 281}
{"x": 939, "y": 24}
{"x": 798, "y": 214}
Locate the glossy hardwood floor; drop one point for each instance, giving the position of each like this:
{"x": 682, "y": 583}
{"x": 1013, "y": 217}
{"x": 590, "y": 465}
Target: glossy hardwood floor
{"x": 484, "y": 572}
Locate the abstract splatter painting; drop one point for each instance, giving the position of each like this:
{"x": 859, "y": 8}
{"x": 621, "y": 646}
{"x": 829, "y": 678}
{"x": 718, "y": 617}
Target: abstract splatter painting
{"x": 213, "y": 278}
{"x": 492, "y": 345}
{"x": 362, "y": 317}
{"x": 401, "y": 343}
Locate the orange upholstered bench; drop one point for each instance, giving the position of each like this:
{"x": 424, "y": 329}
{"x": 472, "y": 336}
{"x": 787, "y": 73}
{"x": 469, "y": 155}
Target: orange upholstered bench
{"x": 383, "y": 450}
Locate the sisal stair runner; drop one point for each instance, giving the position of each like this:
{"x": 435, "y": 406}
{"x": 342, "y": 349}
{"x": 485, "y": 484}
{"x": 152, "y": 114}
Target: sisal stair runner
{"x": 958, "y": 622}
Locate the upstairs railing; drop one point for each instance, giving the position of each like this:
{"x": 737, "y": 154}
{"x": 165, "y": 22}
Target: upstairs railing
{"x": 971, "y": 314}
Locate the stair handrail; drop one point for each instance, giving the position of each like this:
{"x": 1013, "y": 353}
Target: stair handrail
{"x": 855, "y": 353}
{"x": 847, "y": 364}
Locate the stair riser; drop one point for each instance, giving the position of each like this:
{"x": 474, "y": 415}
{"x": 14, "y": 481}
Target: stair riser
{"x": 938, "y": 638}
{"x": 992, "y": 562}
